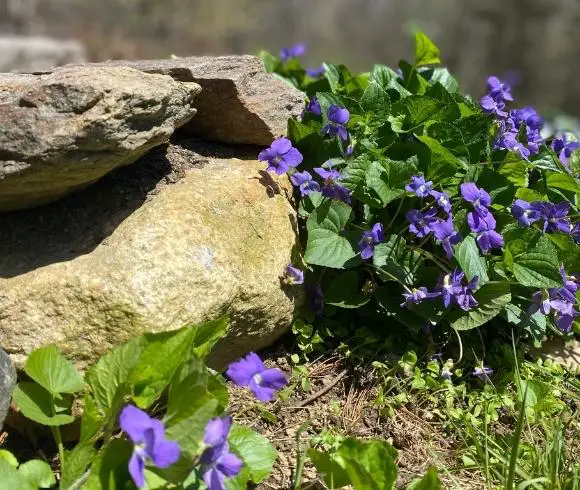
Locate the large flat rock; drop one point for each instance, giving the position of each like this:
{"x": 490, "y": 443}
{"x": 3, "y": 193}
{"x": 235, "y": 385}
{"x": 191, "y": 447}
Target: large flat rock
{"x": 239, "y": 102}
{"x": 62, "y": 131}
{"x": 188, "y": 233}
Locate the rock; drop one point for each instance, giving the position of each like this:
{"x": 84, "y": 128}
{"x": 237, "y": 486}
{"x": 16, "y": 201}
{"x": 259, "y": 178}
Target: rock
{"x": 565, "y": 352}
{"x": 7, "y": 382}
{"x": 63, "y": 131}
{"x": 239, "y": 102}
{"x": 20, "y": 54}
{"x": 136, "y": 253}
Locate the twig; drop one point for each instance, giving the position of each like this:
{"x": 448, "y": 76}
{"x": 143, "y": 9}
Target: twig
{"x": 324, "y": 390}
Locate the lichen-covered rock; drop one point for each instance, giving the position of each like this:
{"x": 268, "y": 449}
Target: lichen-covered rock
{"x": 134, "y": 253}
{"x": 7, "y": 382}
{"x": 239, "y": 102}
{"x": 63, "y": 131}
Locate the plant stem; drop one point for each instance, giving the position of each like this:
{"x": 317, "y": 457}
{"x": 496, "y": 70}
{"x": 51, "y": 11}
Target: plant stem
{"x": 57, "y": 435}
{"x": 58, "y": 438}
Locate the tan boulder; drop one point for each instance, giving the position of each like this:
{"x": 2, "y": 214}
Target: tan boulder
{"x": 186, "y": 234}
{"x": 239, "y": 102}
{"x": 62, "y": 131}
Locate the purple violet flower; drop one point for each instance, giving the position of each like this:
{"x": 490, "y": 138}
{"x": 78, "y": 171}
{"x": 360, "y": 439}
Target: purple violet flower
{"x": 482, "y": 372}
{"x": 149, "y": 444}
{"x": 568, "y": 292}
{"x": 442, "y": 200}
{"x": 337, "y": 192}
{"x": 498, "y": 89}
{"x": 535, "y": 140}
{"x": 304, "y": 182}
{"x": 555, "y": 216}
{"x": 293, "y": 275}
{"x": 421, "y": 224}
{"x": 446, "y": 373}
{"x": 450, "y": 286}
{"x": 218, "y": 463}
{"x": 332, "y": 189}
{"x": 454, "y": 292}
{"x": 419, "y": 187}
{"x": 329, "y": 175}
{"x": 564, "y": 149}
{"x": 540, "y": 302}
{"x": 565, "y": 314}
{"x": 369, "y": 239}
{"x": 524, "y": 213}
{"x": 338, "y": 117}
{"x": 489, "y": 239}
{"x": 575, "y": 232}
{"x": 315, "y": 298}
{"x": 281, "y": 156}
{"x": 478, "y": 223}
{"x": 493, "y": 106}
{"x": 316, "y": 72}
{"x": 527, "y": 116}
{"x": 417, "y": 295}
{"x": 250, "y": 371}
{"x": 313, "y": 106}
{"x": 511, "y": 143}
{"x": 292, "y": 52}
{"x": 479, "y": 198}
{"x": 446, "y": 235}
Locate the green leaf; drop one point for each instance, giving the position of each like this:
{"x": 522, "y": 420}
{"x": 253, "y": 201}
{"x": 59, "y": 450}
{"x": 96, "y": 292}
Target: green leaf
{"x": 76, "y": 463}
{"x": 535, "y": 324}
{"x": 376, "y": 101}
{"x": 11, "y": 479}
{"x": 344, "y": 291}
{"x": 426, "y": 52}
{"x": 370, "y": 465}
{"x": 192, "y": 386}
{"x": 421, "y": 109}
{"x": 396, "y": 261}
{"x": 471, "y": 262}
{"x": 327, "y": 246}
{"x": 271, "y": 63}
{"x": 208, "y": 334}
{"x": 164, "y": 353}
{"x": 38, "y": 473}
{"x": 9, "y": 458}
{"x": 109, "y": 377}
{"x": 538, "y": 267}
{"x": 444, "y": 164}
{"x": 36, "y": 403}
{"x": 91, "y": 420}
{"x": 430, "y": 481}
{"x": 255, "y": 450}
{"x": 333, "y": 474}
{"x": 379, "y": 182}
{"x": 338, "y": 76}
{"x": 515, "y": 172}
{"x": 109, "y": 470}
{"x": 51, "y": 370}
{"x": 492, "y": 298}
{"x": 188, "y": 432}
{"x": 442, "y": 76}
{"x": 562, "y": 181}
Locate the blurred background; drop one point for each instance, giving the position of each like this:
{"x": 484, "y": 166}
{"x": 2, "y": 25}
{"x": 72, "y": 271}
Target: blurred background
{"x": 534, "y": 41}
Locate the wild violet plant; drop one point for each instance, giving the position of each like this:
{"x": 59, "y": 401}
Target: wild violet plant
{"x": 424, "y": 208}
{"x": 154, "y": 416}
